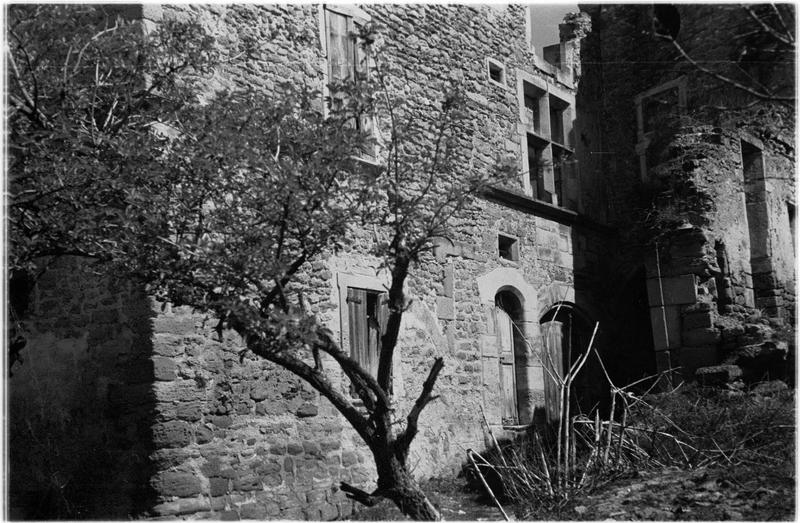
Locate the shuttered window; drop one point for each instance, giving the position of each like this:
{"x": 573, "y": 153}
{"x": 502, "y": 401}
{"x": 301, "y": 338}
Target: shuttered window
{"x": 347, "y": 61}
{"x": 367, "y": 312}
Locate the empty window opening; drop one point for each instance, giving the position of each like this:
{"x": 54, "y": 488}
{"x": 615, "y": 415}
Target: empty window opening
{"x": 508, "y": 247}
{"x": 558, "y": 112}
{"x": 497, "y": 71}
{"x": 790, "y": 209}
{"x": 560, "y": 159}
{"x": 537, "y": 164}
{"x": 534, "y": 100}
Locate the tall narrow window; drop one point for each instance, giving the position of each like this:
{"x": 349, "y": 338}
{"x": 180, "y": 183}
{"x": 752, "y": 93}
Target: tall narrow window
{"x": 347, "y": 61}
{"x": 367, "y": 314}
{"x": 547, "y": 117}
{"x": 656, "y": 111}
{"x": 758, "y": 223}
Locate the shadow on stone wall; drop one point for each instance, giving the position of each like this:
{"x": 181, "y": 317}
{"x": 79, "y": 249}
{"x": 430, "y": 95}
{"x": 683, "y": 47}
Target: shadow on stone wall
{"x": 80, "y": 404}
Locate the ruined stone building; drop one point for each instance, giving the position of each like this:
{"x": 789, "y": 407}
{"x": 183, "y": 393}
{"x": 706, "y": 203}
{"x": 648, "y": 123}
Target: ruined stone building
{"x": 148, "y": 413}
{"x": 699, "y": 173}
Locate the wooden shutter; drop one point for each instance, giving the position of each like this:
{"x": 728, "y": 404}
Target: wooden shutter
{"x": 552, "y": 361}
{"x": 383, "y": 317}
{"x": 357, "y": 318}
{"x": 505, "y": 338}
{"x": 341, "y": 51}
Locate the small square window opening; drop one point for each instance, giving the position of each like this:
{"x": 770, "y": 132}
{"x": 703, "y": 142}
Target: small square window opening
{"x": 508, "y": 247}
{"x": 496, "y": 72}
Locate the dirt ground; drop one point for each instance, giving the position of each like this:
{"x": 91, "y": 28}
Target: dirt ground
{"x": 659, "y": 495}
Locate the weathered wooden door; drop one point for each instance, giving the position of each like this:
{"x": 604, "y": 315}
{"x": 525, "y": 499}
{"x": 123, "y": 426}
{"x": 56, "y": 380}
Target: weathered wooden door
{"x": 505, "y": 338}
{"x": 553, "y": 363}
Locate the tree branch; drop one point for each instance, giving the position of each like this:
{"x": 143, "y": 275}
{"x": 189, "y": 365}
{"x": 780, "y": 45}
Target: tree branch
{"x": 763, "y": 96}
{"x": 775, "y": 34}
{"x": 321, "y": 383}
{"x": 361, "y": 496}
{"x": 396, "y": 305}
{"x": 353, "y": 370}
{"x": 405, "y": 439}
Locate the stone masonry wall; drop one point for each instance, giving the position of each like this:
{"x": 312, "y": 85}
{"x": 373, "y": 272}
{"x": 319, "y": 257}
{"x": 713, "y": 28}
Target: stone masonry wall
{"x": 224, "y": 435}
{"x": 712, "y": 274}
{"x": 80, "y": 405}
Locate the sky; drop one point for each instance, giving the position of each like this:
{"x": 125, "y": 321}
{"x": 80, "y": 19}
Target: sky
{"x": 546, "y": 18}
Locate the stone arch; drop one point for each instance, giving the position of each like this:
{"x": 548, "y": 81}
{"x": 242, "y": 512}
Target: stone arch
{"x": 567, "y": 332}
{"x": 500, "y": 282}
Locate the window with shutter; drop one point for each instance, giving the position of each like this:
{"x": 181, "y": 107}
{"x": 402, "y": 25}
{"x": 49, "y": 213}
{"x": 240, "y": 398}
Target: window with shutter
{"x": 347, "y": 61}
{"x": 367, "y": 312}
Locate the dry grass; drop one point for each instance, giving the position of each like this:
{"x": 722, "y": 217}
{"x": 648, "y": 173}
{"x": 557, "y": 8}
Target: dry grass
{"x": 689, "y": 427}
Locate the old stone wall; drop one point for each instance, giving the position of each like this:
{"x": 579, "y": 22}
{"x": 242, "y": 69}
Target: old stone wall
{"x": 708, "y": 174}
{"x": 210, "y": 431}
{"x": 80, "y": 404}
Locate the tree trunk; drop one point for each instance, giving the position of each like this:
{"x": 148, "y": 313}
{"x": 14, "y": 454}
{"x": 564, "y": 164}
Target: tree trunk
{"x": 395, "y": 482}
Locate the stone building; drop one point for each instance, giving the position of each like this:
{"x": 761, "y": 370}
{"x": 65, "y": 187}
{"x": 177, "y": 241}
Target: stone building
{"x": 701, "y": 168}
{"x": 133, "y": 407}
{"x": 126, "y": 407}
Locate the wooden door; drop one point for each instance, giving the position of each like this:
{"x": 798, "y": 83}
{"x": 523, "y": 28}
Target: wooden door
{"x": 508, "y": 389}
{"x": 553, "y": 367}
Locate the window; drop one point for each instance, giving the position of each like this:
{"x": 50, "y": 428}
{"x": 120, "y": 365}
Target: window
{"x": 367, "y": 311}
{"x": 496, "y": 71}
{"x": 508, "y": 247}
{"x": 347, "y": 60}
{"x": 537, "y": 166}
{"x": 656, "y": 109}
{"x": 546, "y": 114}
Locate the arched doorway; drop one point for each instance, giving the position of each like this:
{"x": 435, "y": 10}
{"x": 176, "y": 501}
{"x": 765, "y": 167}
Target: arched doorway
{"x": 566, "y": 333}
{"x": 512, "y": 358}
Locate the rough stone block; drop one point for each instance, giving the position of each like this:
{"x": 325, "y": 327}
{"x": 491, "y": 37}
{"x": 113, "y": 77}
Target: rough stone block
{"x": 329, "y": 512}
{"x": 247, "y": 483}
{"x": 172, "y": 434}
{"x": 203, "y": 434}
{"x": 164, "y": 369}
{"x": 217, "y": 486}
{"x": 189, "y": 411}
{"x": 261, "y": 391}
{"x": 349, "y": 458}
{"x": 307, "y": 410}
{"x": 698, "y": 320}
{"x": 181, "y": 484}
{"x": 253, "y": 511}
{"x": 678, "y": 290}
{"x": 671, "y": 336}
{"x": 701, "y": 337}
{"x": 167, "y": 344}
{"x": 445, "y": 308}
{"x": 718, "y": 374}
{"x": 328, "y": 445}
{"x": 181, "y": 506}
{"x": 294, "y": 448}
